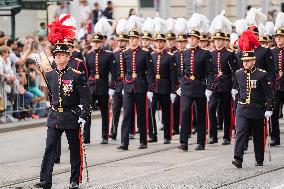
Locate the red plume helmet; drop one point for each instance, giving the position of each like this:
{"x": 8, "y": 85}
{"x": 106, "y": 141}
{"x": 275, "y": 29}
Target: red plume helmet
{"x": 247, "y": 43}
{"x": 59, "y": 33}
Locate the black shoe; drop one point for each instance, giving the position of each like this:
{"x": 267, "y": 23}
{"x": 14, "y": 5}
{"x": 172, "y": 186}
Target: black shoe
{"x": 237, "y": 163}
{"x": 131, "y": 136}
{"x": 142, "y": 146}
{"x": 175, "y": 132}
{"x": 220, "y": 127}
{"x": 43, "y": 184}
{"x": 194, "y": 131}
{"x": 162, "y": 128}
{"x": 226, "y": 142}
{"x": 183, "y": 146}
{"x": 112, "y": 136}
{"x": 155, "y": 139}
{"x": 57, "y": 160}
{"x": 104, "y": 141}
{"x": 199, "y": 147}
{"x": 259, "y": 163}
{"x": 74, "y": 185}
{"x": 250, "y": 137}
{"x": 167, "y": 141}
{"x": 122, "y": 147}
{"x": 274, "y": 143}
{"x": 212, "y": 141}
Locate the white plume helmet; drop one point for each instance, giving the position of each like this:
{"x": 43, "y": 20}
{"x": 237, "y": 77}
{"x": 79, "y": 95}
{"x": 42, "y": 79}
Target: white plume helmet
{"x": 255, "y": 17}
{"x": 148, "y": 26}
{"x": 261, "y": 30}
{"x": 233, "y": 38}
{"x": 180, "y": 26}
{"x": 120, "y": 26}
{"x": 103, "y": 27}
{"x": 279, "y": 22}
{"x": 170, "y": 22}
{"x": 241, "y": 26}
{"x": 269, "y": 28}
{"x": 134, "y": 23}
{"x": 160, "y": 25}
{"x": 221, "y": 24}
{"x": 197, "y": 22}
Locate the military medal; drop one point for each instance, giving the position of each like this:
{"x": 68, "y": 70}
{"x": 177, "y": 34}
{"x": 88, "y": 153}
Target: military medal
{"x": 192, "y": 77}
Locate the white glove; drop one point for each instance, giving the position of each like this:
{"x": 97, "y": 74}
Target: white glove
{"x": 81, "y": 121}
{"x": 234, "y": 92}
{"x": 150, "y": 96}
{"x": 111, "y": 92}
{"x": 268, "y": 114}
{"x": 173, "y": 97}
{"x": 122, "y": 92}
{"x": 208, "y": 93}
{"x": 178, "y": 92}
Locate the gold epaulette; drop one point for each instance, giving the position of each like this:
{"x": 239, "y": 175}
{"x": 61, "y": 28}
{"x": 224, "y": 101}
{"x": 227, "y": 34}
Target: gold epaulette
{"x": 170, "y": 53}
{"x": 261, "y": 70}
{"x": 108, "y": 51}
{"x": 78, "y": 59}
{"x": 241, "y": 69}
{"x": 145, "y": 49}
{"x": 76, "y": 71}
{"x": 230, "y": 50}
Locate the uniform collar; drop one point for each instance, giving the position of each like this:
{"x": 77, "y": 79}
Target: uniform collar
{"x": 98, "y": 50}
{"x": 221, "y": 50}
{"x": 195, "y": 48}
{"x": 135, "y": 50}
{"x": 251, "y": 70}
{"x": 63, "y": 70}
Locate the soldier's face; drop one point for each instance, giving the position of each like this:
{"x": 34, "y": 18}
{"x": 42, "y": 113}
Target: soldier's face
{"x": 171, "y": 43}
{"x": 146, "y": 43}
{"x": 122, "y": 44}
{"x": 193, "y": 41}
{"x": 133, "y": 42}
{"x": 248, "y": 64}
{"x": 181, "y": 45}
{"x": 61, "y": 59}
{"x": 160, "y": 44}
{"x": 219, "y": 43}
{"x": 98, "y": 45}
{"x": 279, "y": 39}
{"x": 203, "y": 44}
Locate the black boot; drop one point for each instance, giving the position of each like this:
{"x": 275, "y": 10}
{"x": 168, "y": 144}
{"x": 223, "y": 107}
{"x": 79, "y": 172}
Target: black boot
{"x": 43, "y": 184}
{"x": 104, "y": 141}
{"x": 154, "y": 139}
{"x": 212, "y": 141}
{"x": 74, "y": 185}
{"x": 167, "y": 141}
{"x": 226, "y": 141}
{"x": 142, "y": 146}
{"x": 259, "y": 163}
{"x": 122, "y": 147}
{"x": 200, "y": 147}
{"x": 237, "y": 163}
{"x": 183, "y": 146}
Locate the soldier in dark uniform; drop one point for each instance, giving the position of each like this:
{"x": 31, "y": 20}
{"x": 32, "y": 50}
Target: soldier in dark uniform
{"x": 204, "y": 41}
{"x": 278, "y": 54}
{"x": 138, "y": 80}
{"x": 255, "y": 103}
{"x": 225, "y": 65}
{"x": 69, "y": 89}
{"x": 197, "y": 70}
{"x": 179, "y": 59}
{"x": 164, "y": 88}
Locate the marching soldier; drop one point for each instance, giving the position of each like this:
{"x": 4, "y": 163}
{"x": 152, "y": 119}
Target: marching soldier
{"x": 171, "y": 36}
{"x": 278, "y": 54}
{"x": 100, "y": 63}
{"x": 204, "y": 41}
{"x": 181, "y": 41}
{"x": 197, "y": 70}
{"x": 147, "y": 38}
{"x": 164, "y": 87}
{"x": 269, "y": 28}
{"x": 224, "y": 63}
{"x": 68, "y": 90}
{"x": 255, "y": 102}
{"x": 138, "y": 80}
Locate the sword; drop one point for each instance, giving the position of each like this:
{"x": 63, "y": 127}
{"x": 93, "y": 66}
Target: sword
{"x": 208, "y": 120}
{"x": 112, "y": 118}
{"x": 151, "y": 111}
{"x": 268, "y": 122}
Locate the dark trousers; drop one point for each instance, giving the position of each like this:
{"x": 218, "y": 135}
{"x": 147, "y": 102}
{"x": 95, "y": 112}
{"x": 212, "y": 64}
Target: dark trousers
{"x": 275, "y": 132}
{"x": 186, "y": 102}
{"x": 117, "y": 102}
{"x": 243, "y": 126}
{"x": 58, "y": 149}
{"x": 220, "y": 114}
{"x": 103, "y": 102}
{"x": 176, "y": 114}
{"x": 74, "y": 140}
{"x": 223, "y": 99}
{"x": 165, "y": 102}
{"x": 129, "y": 100}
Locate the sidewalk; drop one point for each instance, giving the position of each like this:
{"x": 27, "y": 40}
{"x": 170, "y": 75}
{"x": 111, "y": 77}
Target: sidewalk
{"x": 27, "y": 124}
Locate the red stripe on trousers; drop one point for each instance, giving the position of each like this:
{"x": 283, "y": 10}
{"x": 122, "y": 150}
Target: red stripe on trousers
{"x": 81, "y": 156}
{"x": 108, "y": 117}
{"x": 192, "y": 117}
{"x": 207, "y": 123}
{"x": 134, "y": 121}
{"x": 265, "y": 132}
{"x": 146, "y": 122}
{"x": 171, "y": 121}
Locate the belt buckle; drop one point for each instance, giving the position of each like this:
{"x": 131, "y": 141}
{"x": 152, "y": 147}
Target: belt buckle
{"x": 247, "y": 101}
{"x": 220, "y": 73}
{"x": 97, "y": 76}
{"x": 60, "y": 109}
{"x": 158, "y": 76}
{"x": 192, "y": 77}
{"x": 134, "y": 75}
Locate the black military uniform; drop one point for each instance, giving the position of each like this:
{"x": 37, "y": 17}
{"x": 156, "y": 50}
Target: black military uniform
{"x": 100, "y": 63}
{"x": 165, "y": 83}
{"x": 69, "y": 89}
{"x": 225, "y": 65}
{"x": 138, "y": 80}
{"x": 255, "y": 96}
{"x": 198, "y": 69}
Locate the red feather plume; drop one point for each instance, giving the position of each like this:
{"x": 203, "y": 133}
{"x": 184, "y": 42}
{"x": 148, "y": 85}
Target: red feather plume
{"x": 59, "y": 32}
{"x": 248, "y": 41}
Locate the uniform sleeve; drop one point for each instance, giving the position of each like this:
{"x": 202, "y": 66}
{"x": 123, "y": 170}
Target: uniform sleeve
{"x": 268, "y": 93}
{"x": 113, "y": 71}
{"x": 85, "y": 96}
{"x": 209, "y": 71}
{"x": 270, "y": 66}
{"x": 174, "y": 76}
{"x": 81, "y": 66}
{"x": 88, "y": 57}
{"x": 235, "y": 82}
{"x": 150, "y": 72}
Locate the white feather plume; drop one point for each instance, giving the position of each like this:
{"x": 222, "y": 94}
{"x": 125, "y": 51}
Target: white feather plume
{"x": 255, "y": 17}
{"x": 134, "y": 23}
{"x": 233, "y": 38}
{"x": 261, "y": 30}
{"x": 217, "y": 25}
{"x": 269, "y": 28}
{"x": 241, "y": 26}
{"x": 180, "y": 26}
{"x": 103, "y": 27}
{"x": 148, "y": 26}
{"x": 170, "y": 25}
{"x": 120, "y": 26}
{"x": 160, "y": 25}
{"x": 197, "y": 22}
{"x": 279, "y": 22}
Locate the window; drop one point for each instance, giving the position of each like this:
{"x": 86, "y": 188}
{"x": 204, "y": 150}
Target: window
{"x": 147, "y": 3}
